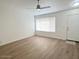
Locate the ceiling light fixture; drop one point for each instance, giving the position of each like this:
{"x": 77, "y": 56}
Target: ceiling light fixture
{"x": 38, "y": 6}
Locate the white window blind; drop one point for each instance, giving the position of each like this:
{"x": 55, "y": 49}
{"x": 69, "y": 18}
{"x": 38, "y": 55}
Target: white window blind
{"x": 45, "y": 24}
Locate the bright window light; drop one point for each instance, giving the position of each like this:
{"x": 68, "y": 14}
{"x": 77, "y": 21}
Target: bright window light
{"x": 46, "y": 24}
{"x": 76, "y": 4}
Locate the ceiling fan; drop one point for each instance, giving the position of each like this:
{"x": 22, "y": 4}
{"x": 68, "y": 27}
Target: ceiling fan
{"x": 39, "y": 6}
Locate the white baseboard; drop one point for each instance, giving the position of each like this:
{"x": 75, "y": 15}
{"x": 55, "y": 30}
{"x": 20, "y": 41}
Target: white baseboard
{"x": 51, "y": 37}
{"x": 2, "y": 43}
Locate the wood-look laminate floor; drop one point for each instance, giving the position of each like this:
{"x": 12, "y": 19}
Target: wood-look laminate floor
{"x": 39, "y": 48}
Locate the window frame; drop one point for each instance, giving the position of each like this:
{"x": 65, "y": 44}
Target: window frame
{"x": 45, "y": 31}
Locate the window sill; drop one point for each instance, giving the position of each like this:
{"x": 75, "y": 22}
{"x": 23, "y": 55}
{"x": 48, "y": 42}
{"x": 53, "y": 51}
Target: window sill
{"x": 46, "y": 31}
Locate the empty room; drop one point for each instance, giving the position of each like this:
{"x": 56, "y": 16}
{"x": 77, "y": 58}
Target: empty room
{"x": 39, "y": 29}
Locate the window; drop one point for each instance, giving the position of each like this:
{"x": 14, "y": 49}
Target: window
{"x": 45, "y": 24}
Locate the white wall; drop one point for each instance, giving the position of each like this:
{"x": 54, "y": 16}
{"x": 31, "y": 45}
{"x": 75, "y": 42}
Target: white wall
{"x": 61, "y": 24}
{"x": 73, "y": 32}
{"x": 15, "y": 22}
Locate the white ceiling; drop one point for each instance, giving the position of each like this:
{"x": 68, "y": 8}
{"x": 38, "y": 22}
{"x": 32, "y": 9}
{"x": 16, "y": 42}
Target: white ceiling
{"x": 56, "y": 5}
